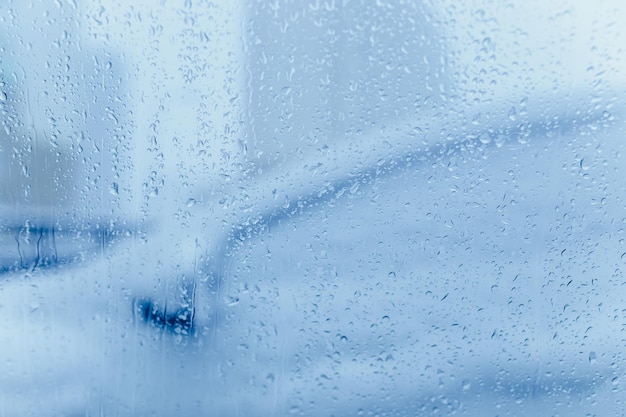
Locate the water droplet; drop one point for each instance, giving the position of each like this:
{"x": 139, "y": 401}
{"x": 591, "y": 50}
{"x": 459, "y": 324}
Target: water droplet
{"x": 512, "y": 114}
{"x": 583, "y": 165}
{"x": 232, "y": 301}
{"x": 592, "y": 357}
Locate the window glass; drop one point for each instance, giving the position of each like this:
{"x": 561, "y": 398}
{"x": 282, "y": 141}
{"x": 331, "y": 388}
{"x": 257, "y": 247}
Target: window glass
{"x": 312, "y": 208}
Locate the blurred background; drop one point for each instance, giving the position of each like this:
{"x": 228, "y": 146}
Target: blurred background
{"x": 312, "y": 208}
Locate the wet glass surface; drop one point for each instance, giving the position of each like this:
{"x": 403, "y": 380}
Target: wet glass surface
{"x": 316, "y": 208}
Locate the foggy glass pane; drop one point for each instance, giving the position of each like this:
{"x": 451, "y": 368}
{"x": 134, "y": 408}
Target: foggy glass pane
{"x": 312, "y": 208}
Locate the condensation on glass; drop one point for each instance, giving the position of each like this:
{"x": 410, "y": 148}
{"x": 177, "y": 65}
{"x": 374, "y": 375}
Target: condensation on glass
{"x": 311, "y": 208}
